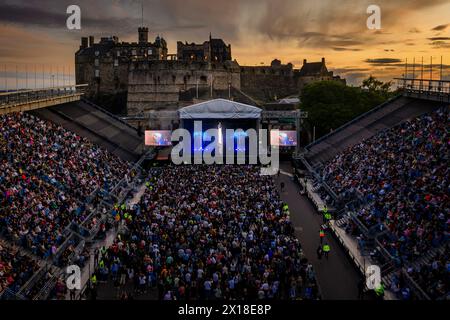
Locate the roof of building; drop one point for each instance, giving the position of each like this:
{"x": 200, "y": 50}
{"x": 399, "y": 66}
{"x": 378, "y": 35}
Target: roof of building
{"x": 220, "y": 109}
{"x": 312, "y": 69}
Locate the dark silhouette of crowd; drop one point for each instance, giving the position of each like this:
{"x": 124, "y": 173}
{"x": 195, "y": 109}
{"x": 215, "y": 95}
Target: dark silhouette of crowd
{"x": 209, "y": 232}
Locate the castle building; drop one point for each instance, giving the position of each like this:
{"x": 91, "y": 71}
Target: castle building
{"x": 315, "y": 71}
{"x": 104, "y": 65}
{"x": 136, "y": 78}
{"x": 214, "y": 50}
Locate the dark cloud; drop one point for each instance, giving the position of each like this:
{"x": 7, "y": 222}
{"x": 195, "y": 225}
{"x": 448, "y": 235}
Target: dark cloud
{"x": 440, "y": 44}
{"x": 345, "y": 49}
{"x": 310, "y": 23}
{"x": 439, "y": 38}
{"x": 337, "y": 42}
{"x": 55, "y": 16}
{"x": 116, "y": 17}
{"x": 440, "y": 27}
{"x": 382, "y": 61}
{"x": 32, "y": 16}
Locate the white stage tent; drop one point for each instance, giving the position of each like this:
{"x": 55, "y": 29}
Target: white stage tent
{"x": 220, "y": 109}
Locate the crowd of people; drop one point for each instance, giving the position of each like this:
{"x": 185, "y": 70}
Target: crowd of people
{"x": 433, "y": 277}
{"x": 15, "y": 268}
{"x": 209, "y": 232}
{"x": 400, "y": 176}
{"x": 46, "y": 176}
{"x": 49, "y": 177}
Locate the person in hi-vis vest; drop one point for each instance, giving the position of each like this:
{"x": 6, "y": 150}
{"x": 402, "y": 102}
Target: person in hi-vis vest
{"x": 321, "y": 235}
{"x": 326, "y": 250}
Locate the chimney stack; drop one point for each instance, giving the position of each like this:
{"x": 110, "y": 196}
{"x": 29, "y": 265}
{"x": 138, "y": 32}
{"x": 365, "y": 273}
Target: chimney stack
{"x": 84, "y": 43}
{"x": 304, "y": 61}
{"x": 323, "y": 60}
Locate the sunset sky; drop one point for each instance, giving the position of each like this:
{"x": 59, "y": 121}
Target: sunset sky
{"x": 33, "y": 33}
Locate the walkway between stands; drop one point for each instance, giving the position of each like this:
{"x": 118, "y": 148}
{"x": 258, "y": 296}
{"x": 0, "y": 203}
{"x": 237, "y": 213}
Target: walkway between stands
{"x": 337, "y": 276}
{"x": 107, "y": 292}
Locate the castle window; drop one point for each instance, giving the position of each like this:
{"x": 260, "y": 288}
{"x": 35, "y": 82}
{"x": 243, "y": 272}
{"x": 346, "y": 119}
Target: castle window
{"x": 116, "y": 62}
{"x": 203, "y": 78}
{"x": 97, "y": 73}
{"x": 96, "y": 62}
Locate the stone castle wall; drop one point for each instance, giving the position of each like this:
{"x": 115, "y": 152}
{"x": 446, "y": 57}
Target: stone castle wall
{"x": 159, "y": 85}
{"x": 109, "y": 87}
{"x": 268, "y": 83}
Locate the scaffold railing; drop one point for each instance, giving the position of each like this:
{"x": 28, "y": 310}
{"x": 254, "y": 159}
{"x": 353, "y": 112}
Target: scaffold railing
{"x": 24, "y": 96}
{"x": 425, "y": 88}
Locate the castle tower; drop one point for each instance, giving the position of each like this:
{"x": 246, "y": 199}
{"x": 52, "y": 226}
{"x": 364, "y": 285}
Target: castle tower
{"x": 143, "y": 35}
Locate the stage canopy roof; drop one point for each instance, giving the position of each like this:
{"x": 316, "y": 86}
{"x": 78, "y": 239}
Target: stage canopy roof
{"x": 220, "y": 109}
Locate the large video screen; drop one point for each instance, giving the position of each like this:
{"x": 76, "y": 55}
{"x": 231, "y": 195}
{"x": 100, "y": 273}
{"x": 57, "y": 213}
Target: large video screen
{"x": 285, "y": 138}
{"x": 158, "y": 138}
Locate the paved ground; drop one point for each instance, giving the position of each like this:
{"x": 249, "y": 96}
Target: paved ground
{"x": 337, "y": 277}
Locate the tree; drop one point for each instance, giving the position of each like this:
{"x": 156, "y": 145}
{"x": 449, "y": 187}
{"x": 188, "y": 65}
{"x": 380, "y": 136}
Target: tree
{"x": 372, "y": 84}
{"x": 331, "y": 104}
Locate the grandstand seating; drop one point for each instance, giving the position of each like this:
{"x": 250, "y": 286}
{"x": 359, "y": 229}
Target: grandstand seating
{"x": 400, "y": 176}
{"x": 49, "y": 179}
{"x": 99, "y": 126}
{"x": 16, "y": 268}
{"x": 384, "y": 116}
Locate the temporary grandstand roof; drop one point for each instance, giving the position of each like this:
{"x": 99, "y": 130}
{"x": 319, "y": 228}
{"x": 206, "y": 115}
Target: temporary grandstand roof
{"x": 220, "y": 109}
